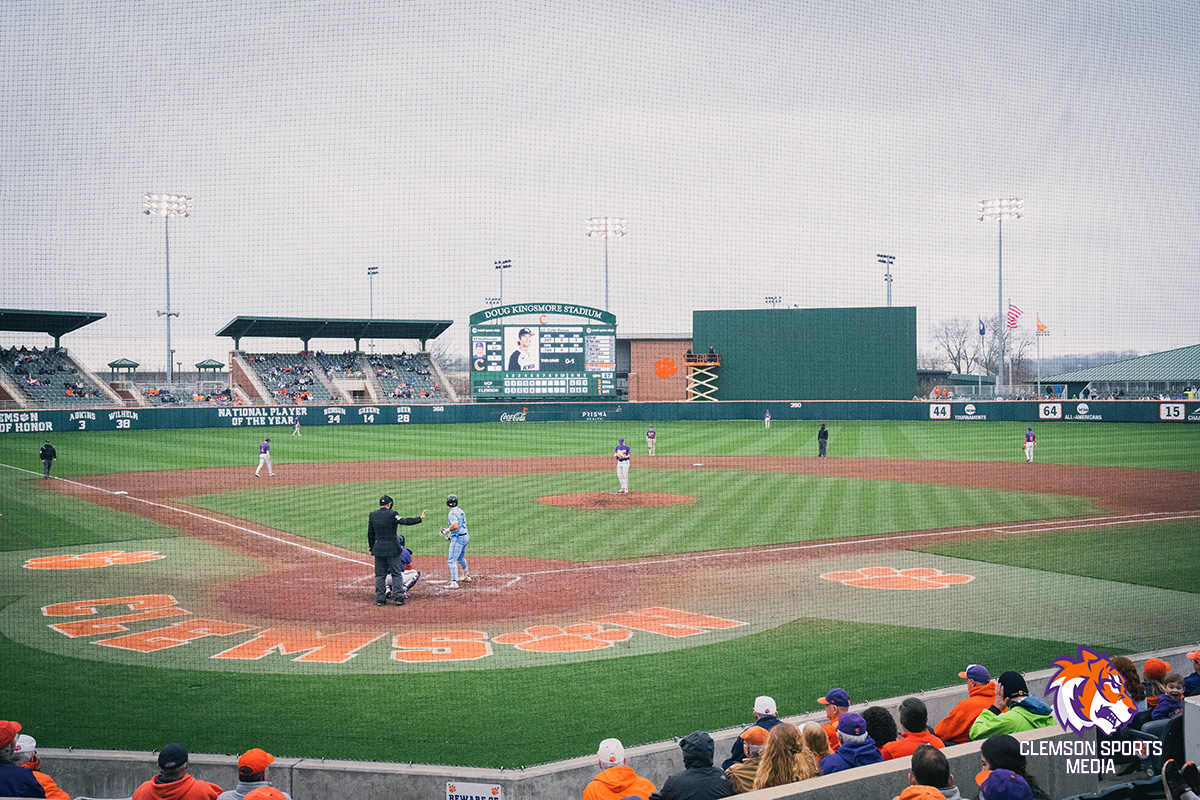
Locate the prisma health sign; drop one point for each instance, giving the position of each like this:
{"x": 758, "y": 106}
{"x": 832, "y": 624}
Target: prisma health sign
{"x": 523, "y": 362}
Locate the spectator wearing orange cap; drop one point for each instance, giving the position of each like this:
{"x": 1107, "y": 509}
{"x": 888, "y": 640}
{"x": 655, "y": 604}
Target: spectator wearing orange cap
{"x": 914, "y": 718}
{"x": 25, "y": 755}
{"x": 1153, "y": 672}
{"x": 1191, "y": 684}
{"x": 955, "y": 727}
{"x": 253, "y": 773}
{"x": 741, "y": 774}
{"x": 836, "y": 702}
{"x": 173, "y": 781}
{"x": 764, "y": 717}
{"x": 616, "y": 779}
{"x": 15, "y": 781}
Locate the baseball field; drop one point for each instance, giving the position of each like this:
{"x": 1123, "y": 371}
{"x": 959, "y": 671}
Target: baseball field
{"x": 155, "y": 590}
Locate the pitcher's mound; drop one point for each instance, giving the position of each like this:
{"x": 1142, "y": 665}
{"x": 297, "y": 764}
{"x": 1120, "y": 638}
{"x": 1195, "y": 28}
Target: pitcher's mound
{"x": 615, "y": 500}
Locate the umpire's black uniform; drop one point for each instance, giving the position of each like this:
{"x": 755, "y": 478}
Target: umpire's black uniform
{"x": 385, "y": 544}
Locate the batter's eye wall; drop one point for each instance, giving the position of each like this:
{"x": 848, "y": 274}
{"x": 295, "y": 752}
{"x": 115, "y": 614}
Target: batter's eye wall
{"x": 812, "y": 353}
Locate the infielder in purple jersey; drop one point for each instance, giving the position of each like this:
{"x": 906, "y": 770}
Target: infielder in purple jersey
{"x": 264, "y": 457}
{"x": 1030, "y": 441}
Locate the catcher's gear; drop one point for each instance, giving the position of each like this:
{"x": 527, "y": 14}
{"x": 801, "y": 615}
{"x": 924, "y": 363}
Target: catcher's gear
{"x": 452, "y": 500}
{"x": 445, "y": 533}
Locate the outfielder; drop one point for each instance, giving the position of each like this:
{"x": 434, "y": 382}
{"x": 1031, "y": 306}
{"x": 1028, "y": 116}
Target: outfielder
{"x": 651, "y": 439}
{"x": 1030, "y": 441}
{"x": 264, "y": 457}
{"x": 456, "y": 532}
{"x": 622, "y": 454}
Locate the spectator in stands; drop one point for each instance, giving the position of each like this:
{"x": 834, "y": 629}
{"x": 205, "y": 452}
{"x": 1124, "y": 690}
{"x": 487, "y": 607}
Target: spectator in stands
{"x": 1181, "y": 783}
{"x": 15, "y": 781}
{"x": 1191, "y": 684}
{"x": 836, "y": 702}
{"x": 173, "y": 781}
{"x": 856, "y": 750}
{"x": 816, "y": 742}
{"x": 930, "y": 768}
{"x": 1153, "y": 672}
{"x": 266, "y": 793}
{"x": 1170, "y": 705}
{"x": 785, "y": 759}
{"x": 254, "y": 769}
{"x": 700, "y": 780}
{"x": 616, "y": 780}
{"x": 914, "y": 718}
{"x": 1004, "y": 784}
{"x": 1003, "y": 752}
{"x": 741, "y": 774}
{"x": 764, "y": 717}
{"x": 25, "y": 755}
{"x": 1012, "y": 710}
{"x": 881, "y": 726}
{"x": 1133, "y": 684}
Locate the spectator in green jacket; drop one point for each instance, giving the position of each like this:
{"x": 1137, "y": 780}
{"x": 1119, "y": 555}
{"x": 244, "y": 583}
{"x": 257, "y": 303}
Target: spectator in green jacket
{"x": 1012, "y": 710}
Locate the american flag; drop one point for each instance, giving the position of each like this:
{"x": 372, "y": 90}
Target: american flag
{"x": 1013, "y": 313}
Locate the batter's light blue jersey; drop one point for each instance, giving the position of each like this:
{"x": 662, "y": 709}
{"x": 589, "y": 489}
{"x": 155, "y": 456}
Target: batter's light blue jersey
{"x": 457, "y": 515}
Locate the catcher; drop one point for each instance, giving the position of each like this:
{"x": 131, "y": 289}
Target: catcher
{"x": 456, "y": 533}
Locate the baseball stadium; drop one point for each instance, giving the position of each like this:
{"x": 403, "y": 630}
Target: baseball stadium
{"x": 375, "y": 474}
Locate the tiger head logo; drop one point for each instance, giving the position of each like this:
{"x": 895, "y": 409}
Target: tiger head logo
{"x": 1089, "y": 693}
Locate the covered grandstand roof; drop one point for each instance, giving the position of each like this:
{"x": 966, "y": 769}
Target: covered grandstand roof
{"x": 307, "y": 329}
{"x": 53, "y": 323}
{"x": 1182, "y": 364}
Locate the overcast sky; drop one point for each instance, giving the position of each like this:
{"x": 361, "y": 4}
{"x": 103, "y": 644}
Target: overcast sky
{"x": 755, "y": 148}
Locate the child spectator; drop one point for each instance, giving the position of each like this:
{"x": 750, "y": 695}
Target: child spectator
{"x": 1170, "y": 705}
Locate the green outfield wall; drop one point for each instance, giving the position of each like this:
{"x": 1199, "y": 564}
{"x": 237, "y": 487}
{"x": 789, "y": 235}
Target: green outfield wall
{"x": 811, "y": 353}
{"x": 110, "y": 419}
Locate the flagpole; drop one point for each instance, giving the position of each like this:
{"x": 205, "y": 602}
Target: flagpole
{"x": 1038, "y": 316}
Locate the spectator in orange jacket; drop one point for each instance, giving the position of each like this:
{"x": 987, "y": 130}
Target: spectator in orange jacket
{"x": 173, "y": 781}
{"x": 981, "y": 690}
{"x": 914, "y": 718}
{"x": 616, "y": 780}
{"x": 836, "y": 702}
{"x": 25, "y": 755}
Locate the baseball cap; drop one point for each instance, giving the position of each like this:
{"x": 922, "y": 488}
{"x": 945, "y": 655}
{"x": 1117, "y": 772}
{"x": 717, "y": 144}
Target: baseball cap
{"x": 524, "y": 332}
{"x": 835, "y": 697}
{"x": 255, "y": 760}
{"x": 24, "y": 748}
{"x": 755, "y": 735}
{"x": 268, "y": 438}
{"x": 852, "y": 724}
{"x": 976, "y": 672}
{"x": 620, "y": 441}
{"x": 172, "y": 756}
{"x": 611, "y": 753}
{"x": 1004, "y": 784}
{"x": 764, "y": 705}
{"x": 1194, "y": 654}
{"x": 1013, "y": 684}
{"x": 385, "y": 500}
{"x": 1157, "y": 669}
{"x": 8, "y": 732}
{"x": 266, "y": 793}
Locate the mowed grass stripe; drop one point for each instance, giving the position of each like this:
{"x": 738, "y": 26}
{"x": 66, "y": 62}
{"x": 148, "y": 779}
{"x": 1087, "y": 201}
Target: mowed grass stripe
{"x": 1161, "y": 554}
{"x": 734, "y": 508}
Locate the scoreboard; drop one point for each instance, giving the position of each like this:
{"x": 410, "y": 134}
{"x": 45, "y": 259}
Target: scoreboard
{"x": 531, "y": 361}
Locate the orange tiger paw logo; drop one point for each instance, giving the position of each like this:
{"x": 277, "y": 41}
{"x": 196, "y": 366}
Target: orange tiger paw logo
{"x": 665, "y": 368}
{"x": 105, "y": 558}
{"x": 892, "y": 578}
{"x": 571, "y": 639}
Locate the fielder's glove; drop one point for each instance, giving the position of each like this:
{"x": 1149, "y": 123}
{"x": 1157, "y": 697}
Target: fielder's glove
{"x": 445, "y": 533}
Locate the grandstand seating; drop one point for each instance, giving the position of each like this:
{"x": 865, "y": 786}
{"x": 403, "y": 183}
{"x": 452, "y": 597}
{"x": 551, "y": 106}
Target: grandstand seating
{"x": 290, "y": 376}
{"x": 406, "y": 377}
{"x": 50, "y": 378}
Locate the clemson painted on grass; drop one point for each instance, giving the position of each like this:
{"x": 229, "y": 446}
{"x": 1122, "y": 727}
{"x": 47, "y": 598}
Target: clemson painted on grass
{"x": 104, "y": 558}
{"x": 901, "y": 579}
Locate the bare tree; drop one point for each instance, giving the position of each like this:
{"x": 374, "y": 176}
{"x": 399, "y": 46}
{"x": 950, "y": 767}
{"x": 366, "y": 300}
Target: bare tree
{"x": 956, "y": 340}
{"x": 1019, "y": 354}
{"x": 929, "y": 359}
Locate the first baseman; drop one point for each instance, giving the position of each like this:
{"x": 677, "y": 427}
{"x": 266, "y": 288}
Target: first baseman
{"x": 264, "y": 457}
{"x": 651, "y": 439}
{"x": 622, "y": 454}
{"x": 456, "y": 532}
{"x": 1030, "y": 441}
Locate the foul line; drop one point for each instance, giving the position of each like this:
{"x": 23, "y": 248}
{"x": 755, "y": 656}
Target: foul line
{"x": 201, "y": 516}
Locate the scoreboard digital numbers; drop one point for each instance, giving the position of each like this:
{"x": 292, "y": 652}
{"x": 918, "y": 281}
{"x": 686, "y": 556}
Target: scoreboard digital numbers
{"x": 543, "y": 361}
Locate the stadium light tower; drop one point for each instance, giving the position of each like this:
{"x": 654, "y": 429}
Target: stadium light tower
{"x": 167, "y": 206}
{"x": 606, "y": 228}
{"x": 501, "y": 266}
{"x": 773, "y": 300}
{"x": 1001, "y": 209}
{"x": 887, "y": 278}
{"x": 371, "y": 273}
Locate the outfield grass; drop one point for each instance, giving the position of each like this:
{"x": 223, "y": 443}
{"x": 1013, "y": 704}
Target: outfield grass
{"x": 1145, "y": 446}
{"x": 499, "y": 718}
{"x": 1163, "y": 555}
{"x": 734, "y": 508}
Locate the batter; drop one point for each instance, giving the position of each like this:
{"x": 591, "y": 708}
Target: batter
{"x": 456, "y": 532}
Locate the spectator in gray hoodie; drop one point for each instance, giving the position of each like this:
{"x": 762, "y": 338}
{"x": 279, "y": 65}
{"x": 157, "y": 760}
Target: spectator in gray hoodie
{"x": 253, "y": 768}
